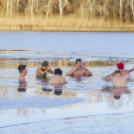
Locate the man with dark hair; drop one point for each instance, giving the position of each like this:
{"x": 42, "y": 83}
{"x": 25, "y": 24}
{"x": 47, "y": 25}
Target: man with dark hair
{"x": 57, "y": 78}
{"x": 122, "y": 69}
{"x": 79, "y": 70}
{"x": 117, "y": 79}
{"x": 42, "y": 71}
{"x": 23, "y": 71}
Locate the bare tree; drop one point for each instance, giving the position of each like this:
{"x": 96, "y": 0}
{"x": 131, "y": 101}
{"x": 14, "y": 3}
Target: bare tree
{"x": 32, "y": 14}
{"x": 132, "y": 6}
{"x": 48, "y": 8}
{"x": 91, "y": 4}
{"x": 37, "y": 7}
{"x": 61, "y": 6}
{"x": 82, "y": 12}
{"x": 18, "y": 1}
{"x": 7, "y": 7}
{"x": 120, "y": 10}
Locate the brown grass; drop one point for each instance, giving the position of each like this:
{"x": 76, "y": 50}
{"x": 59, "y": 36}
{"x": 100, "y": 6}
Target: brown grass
{"x": 76, "y": 15}
{"x": 64, "y": 24}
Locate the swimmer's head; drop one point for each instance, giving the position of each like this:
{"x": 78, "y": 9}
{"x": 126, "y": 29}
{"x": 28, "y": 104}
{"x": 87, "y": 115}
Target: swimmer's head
{"x": 117, "y": 73}
{"x": 22, "y": 68}
{"x": 45, "y": 63}
{"x": 120, "y": 66}
{"x": 78, "y": 62}
{"x": 58, "y": 71}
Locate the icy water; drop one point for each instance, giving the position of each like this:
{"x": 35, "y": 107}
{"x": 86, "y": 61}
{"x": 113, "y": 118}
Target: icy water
{"x": 83, "y": 105}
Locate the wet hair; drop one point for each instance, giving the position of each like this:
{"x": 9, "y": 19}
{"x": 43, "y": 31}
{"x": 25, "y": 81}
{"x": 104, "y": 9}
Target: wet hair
{"x": 117, "y": 71}
{"x": 58, "y": 92}
{"x": 78, "y": 60}
{"x": 58, "y": 71}
{"x": 117, "y": 97}
{"x": 45, "y": 63}
{"x": 21, "y": 68}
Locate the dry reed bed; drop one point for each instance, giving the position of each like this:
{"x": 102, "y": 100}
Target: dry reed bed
{"x": 67, "y": 15}
{"x": 64, "y": 24}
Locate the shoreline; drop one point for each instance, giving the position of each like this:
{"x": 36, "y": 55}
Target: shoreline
{"x": 31, "y": 28}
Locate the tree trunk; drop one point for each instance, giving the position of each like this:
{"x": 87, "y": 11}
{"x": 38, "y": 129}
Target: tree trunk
{"x": 61, "y": 6}
{"x": 82, "y": 11}
{"x": 11, "y": 10}
{"x": 32, "y": 10}
{"x": 132, "y": 6}
{"x": 7, "y": 7}
{"x": 18, "y": 8}
{"x": 47, "y": 12}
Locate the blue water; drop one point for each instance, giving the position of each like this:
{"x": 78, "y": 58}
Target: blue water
{"x": 83, "y": 106}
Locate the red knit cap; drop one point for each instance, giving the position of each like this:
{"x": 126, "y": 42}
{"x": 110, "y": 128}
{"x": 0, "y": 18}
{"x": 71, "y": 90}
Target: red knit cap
{"x": 120, "y": 66}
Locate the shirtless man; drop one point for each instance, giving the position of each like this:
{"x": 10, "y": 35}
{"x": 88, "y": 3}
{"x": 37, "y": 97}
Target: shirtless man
{"x": 57, "y": 81}
{"x": 57, "y": 78}
{"x": 118, "y": 80}
{"x": 42, "y": 71}
{"x": 23, "y": 71}
{"x": 121, "y": 67}
{"x": 79, "y": 70}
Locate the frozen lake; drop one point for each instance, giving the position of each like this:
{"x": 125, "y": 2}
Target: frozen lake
{"x": 70, "y": 41}
{"x": 84, "y": 105}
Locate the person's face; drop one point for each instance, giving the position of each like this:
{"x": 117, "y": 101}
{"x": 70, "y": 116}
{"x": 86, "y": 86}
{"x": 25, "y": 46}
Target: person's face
{"x": 25, "y": 71}
{"x": 117, "y": 74}
{"x": 79, "y": 64}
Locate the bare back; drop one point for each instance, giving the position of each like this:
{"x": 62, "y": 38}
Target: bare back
{"x": 57, "y": 79}
{"x": 120, "y": 81}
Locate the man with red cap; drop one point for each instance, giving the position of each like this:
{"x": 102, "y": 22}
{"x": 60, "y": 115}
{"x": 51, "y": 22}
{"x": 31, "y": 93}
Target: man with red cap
{"x": 121, "y": 67}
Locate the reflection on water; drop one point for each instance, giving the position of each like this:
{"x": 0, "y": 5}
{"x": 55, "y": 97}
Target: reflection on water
{"x": 22, "y": 87}
{"x": 36, "y": 102}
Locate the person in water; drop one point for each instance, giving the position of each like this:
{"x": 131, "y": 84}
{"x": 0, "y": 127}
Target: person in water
{"x": 122, "y": 69}
{"x": 57, "y": 81}
{"x": 23, "y": 71}
{"x": 118, "y": 80}
{"x": 43, "y": 70}
{"x": 79, "y": 70}
{"x": 57, "y": 78}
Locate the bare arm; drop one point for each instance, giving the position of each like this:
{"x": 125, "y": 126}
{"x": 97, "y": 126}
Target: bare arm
{"x": 107, "y": 78}
{"x": 51, "y": 71}
{"x": 112, "y": 74}
{"x": 89, "y": 73}
{"x": 40, "y": 72}
{"x": 70, "y": 72}
{"x": 131, "y": 70}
